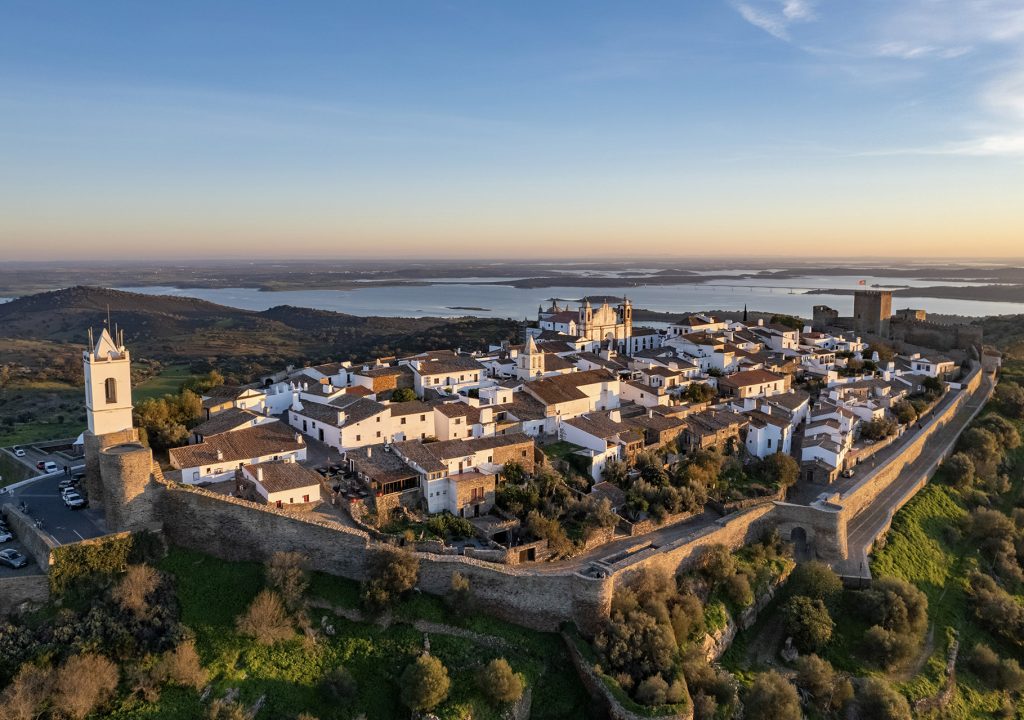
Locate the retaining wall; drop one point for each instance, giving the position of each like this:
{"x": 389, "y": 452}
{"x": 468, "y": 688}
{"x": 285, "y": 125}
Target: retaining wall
{"x": 38, "y": 543}
{"x": 14, "y": 591}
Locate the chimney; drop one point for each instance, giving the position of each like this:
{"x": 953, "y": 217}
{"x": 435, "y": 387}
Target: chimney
{"x": 369, "y": 451}
{"x": 760, "y": 322}
{"x": 341, "y": 418}
{"x": 298, "y": 439}
{"x": 220, "y": 454}
{"x": 615, "y": 415}
{"x": 259, "y": 474}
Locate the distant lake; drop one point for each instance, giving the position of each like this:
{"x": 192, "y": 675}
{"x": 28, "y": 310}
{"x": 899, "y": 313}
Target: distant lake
{"x": 765, "y": 294}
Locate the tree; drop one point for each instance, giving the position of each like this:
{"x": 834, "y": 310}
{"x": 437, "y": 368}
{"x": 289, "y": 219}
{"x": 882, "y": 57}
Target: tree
{"x": 698, "y": 392}
{"x": 134, "y": 589}
{"x": 780, "y": 469}
{"x": 500, "y": 683}
{"x": 460, "y": 596}
{"x": 266, "y": 619}
{"x": 960, "y": 469}
{"x": 1009, "y": 397}
{"x": 26, "y": 696}
{"x": 808, "y": 622}
{"x": 393, "y": 572}
{"x": 287, "y": 573}
{"x": 905, "y": 412}
{"x": 652, "y": 691}
{"x": 424, "y": 683}
{"x": 637, "y": 645}
{"x": 84, "y": 683}
{"x": 878, "y": 429}
{"x": 829, "y": 691}
{"x": 878, "y": 700}
{"x": 403, "y": 395}
{"x": 772, "y": 697}
{"x": 816, "y": 580}
{"x": 548, "y": 529}
{"x": 717, "y": 563}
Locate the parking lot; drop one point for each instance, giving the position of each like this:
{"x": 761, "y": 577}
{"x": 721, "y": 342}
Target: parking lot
{"x": 33, "y": 456}
{"x": 42, "y": 497}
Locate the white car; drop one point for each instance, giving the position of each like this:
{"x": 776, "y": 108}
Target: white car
{"x": 5, "y": 536}
{"x": 73, "y": 500}
{"x": 19, "y": 452}
{"x": 50, "y": 467}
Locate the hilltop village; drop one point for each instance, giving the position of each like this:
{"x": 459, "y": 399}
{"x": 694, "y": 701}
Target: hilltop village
{"x": 434, "y": 432}
{"x": 610, "y": 482}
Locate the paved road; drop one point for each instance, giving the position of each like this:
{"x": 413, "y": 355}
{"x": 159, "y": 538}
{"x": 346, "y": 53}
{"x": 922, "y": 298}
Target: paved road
{"x": 661, "y": 536}
{"x": 44, "y": 502}
{"x": 865, "y": 527}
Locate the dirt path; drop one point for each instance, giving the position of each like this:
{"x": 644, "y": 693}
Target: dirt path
{"x": 913, "y": 669}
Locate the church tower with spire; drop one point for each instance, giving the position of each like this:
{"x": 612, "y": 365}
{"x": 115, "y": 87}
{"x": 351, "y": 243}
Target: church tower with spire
{"x": 107, "y": 367}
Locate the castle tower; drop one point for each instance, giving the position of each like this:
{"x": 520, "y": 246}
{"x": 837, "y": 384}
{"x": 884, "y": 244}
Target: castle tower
{"x": 118, "y": 468}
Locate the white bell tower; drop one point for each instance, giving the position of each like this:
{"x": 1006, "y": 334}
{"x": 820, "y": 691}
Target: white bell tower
{"x": 108, "y": 384}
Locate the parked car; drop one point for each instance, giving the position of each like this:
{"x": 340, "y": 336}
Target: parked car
{"x": 78, "y": 475}
{"x": 847, "y": 473}
{"x": 5, "y": 535}
{"x": 74, "y": 501}
{"x": 13, "y": 558}
{"x": 40, "y": 465}
{"x": 19, "y": 452}
{"x": 66, "y": 485}
{"x": 50, "y": 467}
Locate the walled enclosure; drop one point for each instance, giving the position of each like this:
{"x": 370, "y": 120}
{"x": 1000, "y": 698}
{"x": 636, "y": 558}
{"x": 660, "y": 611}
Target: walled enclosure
{"x": 39, "y": 544}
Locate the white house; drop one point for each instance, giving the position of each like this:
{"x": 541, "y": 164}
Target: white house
{"x": 283, "y": 483}
{"x": 768, "y": 433}
{"x": 219, "y": 456}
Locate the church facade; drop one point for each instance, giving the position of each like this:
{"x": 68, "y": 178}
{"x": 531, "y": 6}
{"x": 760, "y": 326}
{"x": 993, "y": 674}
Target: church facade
{"x": 599, "y": 324}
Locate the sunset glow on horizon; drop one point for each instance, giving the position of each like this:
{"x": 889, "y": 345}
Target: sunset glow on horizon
{"x": 788, "y": 128}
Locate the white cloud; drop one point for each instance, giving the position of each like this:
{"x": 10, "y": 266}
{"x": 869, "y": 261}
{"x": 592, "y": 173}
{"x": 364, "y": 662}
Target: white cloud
{"x": 776, "y": 16}
{"x": 908, "y": 51}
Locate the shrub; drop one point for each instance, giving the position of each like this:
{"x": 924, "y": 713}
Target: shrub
{"x": 500, "y": 683}
{"x": 816, "y": 580}
{"x": 135, "y": 587}
{"x": 713, "y": 682}
{"x": 393, "y": 573}
{"x": 27, "y": 694}
{"x": 905, "y": 412}
{"x": 84, "y": 683}
{"x": 424, "y": 683}
{"x": 339, "y": 684}
{"x": 652, "y": 691}
{"x": 888, "y": 647}
{"x": 448, "y": 526}
{"x": 772, "y": 697}
{"x": 878, "y": 701}
{"x": 221, "y": 709}
{"x": 687, "y": 617}
{"x": 896, "y": 605}
{"x": 809, "y": 622}
{"x": 717, "y": 564}
{"x": 779, "y": 469}
{"x": 1009, "y": 396}
{"x": 460, "y": 596}
{"x": 878, "y": 429}
{"x": 738, "y": 590}
{"x": 829, "y": 691}
{"x": 266, "y": 619}
{"x": 287, "y": 572}
{"x": 181, "y": 666}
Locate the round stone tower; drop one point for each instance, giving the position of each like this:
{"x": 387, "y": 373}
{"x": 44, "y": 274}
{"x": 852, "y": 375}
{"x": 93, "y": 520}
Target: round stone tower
{"x": 126, "y": 476}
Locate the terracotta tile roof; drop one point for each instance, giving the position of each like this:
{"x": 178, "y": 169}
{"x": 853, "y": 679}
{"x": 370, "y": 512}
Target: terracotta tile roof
{"x": 226, "y": 421}
{"x": 271, "y": 438}
{"x": 761, "y": 419}
{"x": 356, "y": 409}
{"x": 600, "y": 425}
{"x": 430, "y": 456}
{"x": 564, "y": 388}
{"x": 380, "y": 465}
{"x": 281, "y": 476}
{"x": 412, "y": 407}
{"x": 440, "y": 364}
{"x": 751, "y": 377}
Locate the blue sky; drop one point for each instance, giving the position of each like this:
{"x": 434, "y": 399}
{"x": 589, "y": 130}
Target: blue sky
{"x": 527, "y": 129}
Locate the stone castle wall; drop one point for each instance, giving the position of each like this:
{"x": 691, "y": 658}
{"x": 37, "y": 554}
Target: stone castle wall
{"x": 93, "y": 444}
{"x": 129, "y": 502}
{"x": 864, "y": 492}
{"x": 935, "y": 335}
{"x": 37, "y": 543}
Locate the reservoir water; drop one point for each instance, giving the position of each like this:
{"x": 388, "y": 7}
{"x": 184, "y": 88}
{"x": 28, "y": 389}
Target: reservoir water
{"x": 473, "y": 297}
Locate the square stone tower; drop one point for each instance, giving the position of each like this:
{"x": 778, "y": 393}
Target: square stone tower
{"x": 872, "y": 310}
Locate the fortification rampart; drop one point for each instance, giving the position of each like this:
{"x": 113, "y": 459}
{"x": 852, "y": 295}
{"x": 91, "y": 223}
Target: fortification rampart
{"x": 868, "y": 489}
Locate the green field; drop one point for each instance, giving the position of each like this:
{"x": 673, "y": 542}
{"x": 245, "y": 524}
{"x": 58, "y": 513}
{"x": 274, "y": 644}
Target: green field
{"x": 287, "y": 675}
{"x": 167, "y": 382}
{"x": 32, "y": 412}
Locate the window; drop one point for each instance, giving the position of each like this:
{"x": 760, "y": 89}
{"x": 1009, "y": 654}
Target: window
{"x": 423, "y": 418}
{"x": 110, "y": 389}
{"x": 378, "y": 418}
{"x": 305, "y": 498}
{"x": 358, "y": 438}
{"x": 769, "y": 442}
{"x": 378, "y": 433}
{"x": 403, "y": 421}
